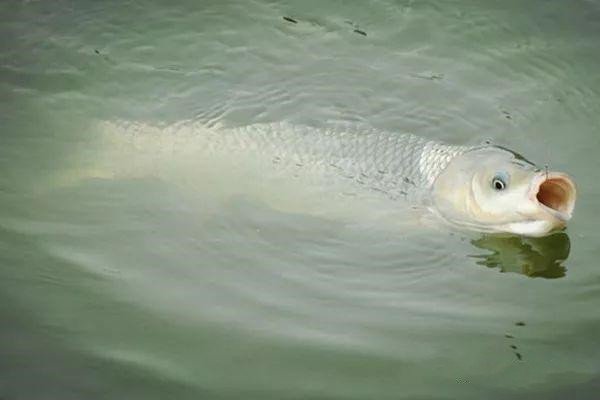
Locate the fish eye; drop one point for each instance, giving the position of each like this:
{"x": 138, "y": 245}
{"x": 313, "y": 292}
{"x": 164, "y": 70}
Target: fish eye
{"x": 500, "y": 181}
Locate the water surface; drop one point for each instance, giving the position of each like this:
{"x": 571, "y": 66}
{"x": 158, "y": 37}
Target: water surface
{"x": 139, "y": 269}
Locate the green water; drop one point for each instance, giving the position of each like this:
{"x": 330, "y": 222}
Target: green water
{"x": 134, "y": 271}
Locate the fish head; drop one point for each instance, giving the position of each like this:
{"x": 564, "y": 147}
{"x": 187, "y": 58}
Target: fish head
{"x": 492, "y": 189}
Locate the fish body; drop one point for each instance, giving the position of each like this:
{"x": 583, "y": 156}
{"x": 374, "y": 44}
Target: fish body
{"x": 399, "y": 165}
{"x": 484, "y": 188}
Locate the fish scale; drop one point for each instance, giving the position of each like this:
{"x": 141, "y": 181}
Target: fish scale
{"x": 396, "y": 164}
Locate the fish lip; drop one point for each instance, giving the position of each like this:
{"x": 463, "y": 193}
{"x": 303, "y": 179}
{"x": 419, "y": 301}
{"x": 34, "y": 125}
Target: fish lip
{"x": 555, "y": 194}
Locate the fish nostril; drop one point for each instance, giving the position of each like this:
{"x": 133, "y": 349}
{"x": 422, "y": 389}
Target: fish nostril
{"x": 555, "y": 193}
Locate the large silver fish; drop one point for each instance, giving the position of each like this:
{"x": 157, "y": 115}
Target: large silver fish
{"x": 484, "y": 188}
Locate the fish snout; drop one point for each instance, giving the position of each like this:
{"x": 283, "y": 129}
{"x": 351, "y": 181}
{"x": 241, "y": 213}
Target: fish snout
{"x": 555, "y": 193}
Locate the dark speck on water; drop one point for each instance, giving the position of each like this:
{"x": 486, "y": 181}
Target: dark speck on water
{"x": 520, "y": 323}
{"x": 292, "y": 20}
{"x": 519, "y": 356}
{"x": 429, "y": 76}
{"x": 512, "y": 346}
{"x": 96, "y": 51}
{"x": 360, "y": 32}
{"x": 509, "y": 336}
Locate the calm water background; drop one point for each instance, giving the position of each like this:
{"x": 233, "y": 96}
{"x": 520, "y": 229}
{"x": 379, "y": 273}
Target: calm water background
{"x": 165, "y": 275}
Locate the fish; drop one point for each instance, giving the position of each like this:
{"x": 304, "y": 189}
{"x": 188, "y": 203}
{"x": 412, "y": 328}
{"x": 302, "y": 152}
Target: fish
{"x": 485, "y": 188}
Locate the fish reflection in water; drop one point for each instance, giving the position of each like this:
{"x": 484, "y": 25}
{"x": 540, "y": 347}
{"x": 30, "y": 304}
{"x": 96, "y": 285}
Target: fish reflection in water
{"x": 534, "y": 257}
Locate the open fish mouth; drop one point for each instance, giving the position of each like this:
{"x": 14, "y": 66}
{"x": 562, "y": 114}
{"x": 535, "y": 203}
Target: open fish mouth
{"x": 555, "y": 193}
